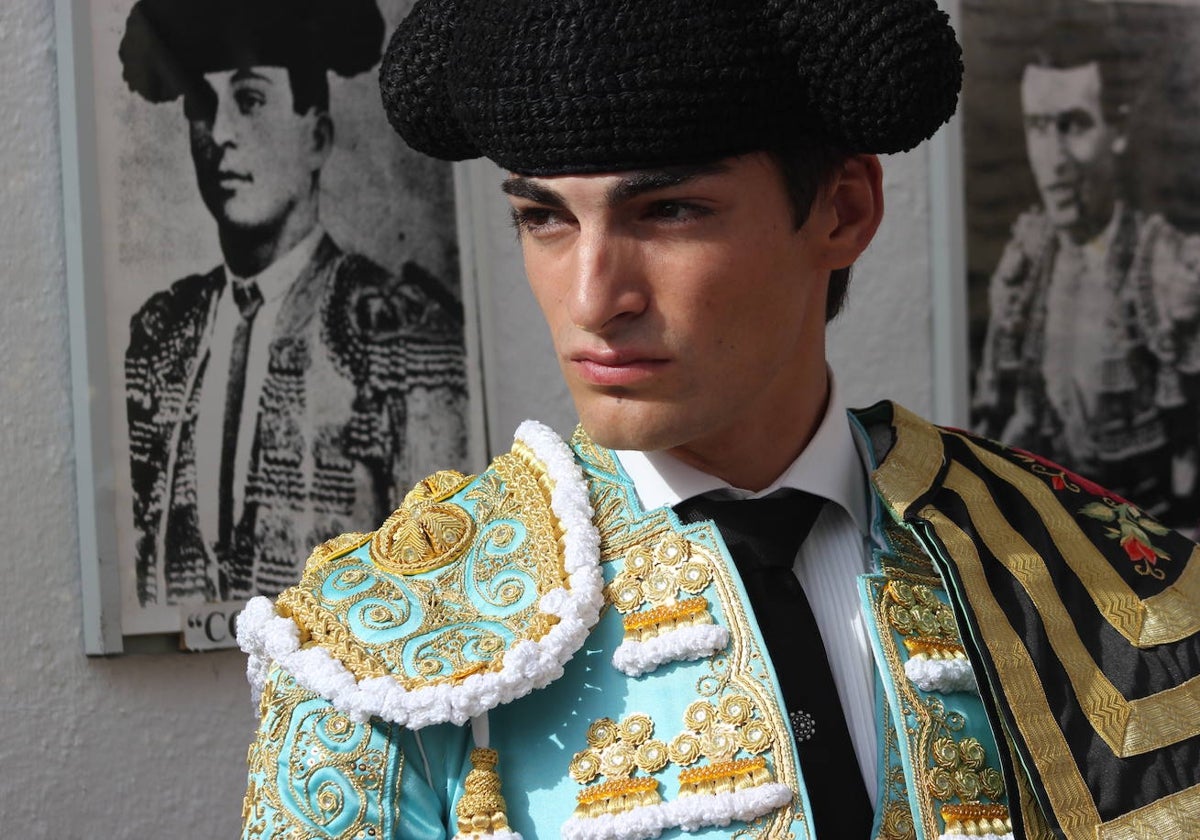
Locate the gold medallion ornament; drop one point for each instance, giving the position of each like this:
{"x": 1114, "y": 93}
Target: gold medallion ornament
{"x": 617, "y": 751}
{"x": 926, "y": 623}
{"x": 424, "y": 534}
{"x": 717, "y": 733}
{"x": 652, "y": 589}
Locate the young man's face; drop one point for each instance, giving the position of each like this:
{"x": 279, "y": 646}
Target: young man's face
{"x": 255, "y": 157}
{"x": 682, "y": 302}
{"x": 1072, "y": 148}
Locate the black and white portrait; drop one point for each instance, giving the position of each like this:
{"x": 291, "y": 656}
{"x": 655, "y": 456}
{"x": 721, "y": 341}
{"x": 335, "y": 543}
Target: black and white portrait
{"x": 1082, "y": 150}
{"x": 284, "y": 292}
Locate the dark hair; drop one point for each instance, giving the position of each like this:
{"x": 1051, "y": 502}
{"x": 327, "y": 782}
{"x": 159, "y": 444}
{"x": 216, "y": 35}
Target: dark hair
{"x": 806, "y": 169}
{"x": 310, "y": 88}
{"x": 1065, "y": 42}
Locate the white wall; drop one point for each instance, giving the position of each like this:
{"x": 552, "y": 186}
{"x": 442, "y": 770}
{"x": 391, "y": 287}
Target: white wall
{"x": 153, "y": 746}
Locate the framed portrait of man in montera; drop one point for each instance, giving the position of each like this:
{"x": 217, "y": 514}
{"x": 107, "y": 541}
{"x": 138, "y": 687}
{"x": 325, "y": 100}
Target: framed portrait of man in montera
{"x": 278, "y": 292}
{"x": 1081, "y": 125}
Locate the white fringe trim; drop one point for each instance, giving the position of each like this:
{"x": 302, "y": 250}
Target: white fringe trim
{"x": 527, "y": 666}
{"x": 942, "y": 675}
{"x": 687, "y": 813}
{"x": 635, "y": 658}
{"x": 503, "y": 834}
{"x": 957, "y": 836}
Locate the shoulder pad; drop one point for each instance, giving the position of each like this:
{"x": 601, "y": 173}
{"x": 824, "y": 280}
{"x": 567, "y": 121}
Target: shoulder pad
{"x": 475, "y": 592}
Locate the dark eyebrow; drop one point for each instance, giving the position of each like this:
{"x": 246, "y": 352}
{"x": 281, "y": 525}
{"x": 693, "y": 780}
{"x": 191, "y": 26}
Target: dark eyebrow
{"x": 635, "y": 184}
{"x": 246, "y": 74}
{"x": 519, "y": 186}
{"x": 649, "y": 180}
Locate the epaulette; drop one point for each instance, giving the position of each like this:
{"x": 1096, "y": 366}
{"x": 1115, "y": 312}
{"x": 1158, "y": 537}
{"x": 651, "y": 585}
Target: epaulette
{"x": 475, "y": 592}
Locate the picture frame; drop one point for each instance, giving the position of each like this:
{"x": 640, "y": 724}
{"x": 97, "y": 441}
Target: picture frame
{"x": 1081, "y": 137}
{"x": 135, "y": 221}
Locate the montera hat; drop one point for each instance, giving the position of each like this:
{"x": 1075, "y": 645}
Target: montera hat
{"x": 168, "y": 44}
{"x": 557, "y": 86}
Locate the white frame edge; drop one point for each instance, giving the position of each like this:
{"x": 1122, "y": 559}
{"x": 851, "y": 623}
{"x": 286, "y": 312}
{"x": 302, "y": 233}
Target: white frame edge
{"x": 99, "y": 573}
{"x": 950, "y": 364}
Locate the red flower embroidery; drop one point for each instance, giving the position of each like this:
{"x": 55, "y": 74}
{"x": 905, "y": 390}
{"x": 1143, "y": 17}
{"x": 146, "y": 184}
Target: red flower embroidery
{"x": 1138, "y": 550}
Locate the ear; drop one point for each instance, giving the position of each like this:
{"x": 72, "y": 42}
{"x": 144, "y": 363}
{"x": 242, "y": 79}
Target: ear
{"x": 853, "y": 206}
{"x": 322, "y": 139}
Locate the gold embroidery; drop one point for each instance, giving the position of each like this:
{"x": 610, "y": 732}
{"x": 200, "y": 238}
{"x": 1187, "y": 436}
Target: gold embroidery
{"x": 657, "y": 574}
{"x": 481, "y": 811}
{"x": 913, "y": 463}
{"x": 441, "y": 626}
{"x": 742, "y": 669}
{"x": 927, "y": 624}
{"x": 953, "y": 767}
{"x": 1166, "y": 617}
{"x": 724, "y": 777}
{"x": 1129, "y": 727}
{"x": 422, "y": 534}
{"x": 976, "y": 820}
{"x": 897, "y": 822}
{"x": 332, "y": 767}
{"x": 1175, "y": 817}
{"x": 336, "y": 547}
{"x": 1069, "y": 796}
{"x": 616, "y": 752}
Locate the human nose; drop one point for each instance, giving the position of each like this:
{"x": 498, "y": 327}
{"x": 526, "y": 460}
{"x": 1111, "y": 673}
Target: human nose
{"x": 224, "y": 125}
{"x": 609, "y": 284}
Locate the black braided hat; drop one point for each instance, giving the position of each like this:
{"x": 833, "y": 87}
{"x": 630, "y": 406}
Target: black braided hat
{"x": 168, "y": 43}
{"x": 555, "y": 86}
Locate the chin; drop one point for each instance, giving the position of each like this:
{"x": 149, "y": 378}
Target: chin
{"x": 628, "y": 424}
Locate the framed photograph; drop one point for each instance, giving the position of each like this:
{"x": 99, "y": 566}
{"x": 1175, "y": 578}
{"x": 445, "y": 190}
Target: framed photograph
{"x": 272, "y": 332}
{"x": 1081, "y": 128}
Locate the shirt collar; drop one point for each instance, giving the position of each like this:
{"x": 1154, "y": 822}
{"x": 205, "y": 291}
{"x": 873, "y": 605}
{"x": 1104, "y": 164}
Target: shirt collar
{"x": 829, "y": 467}
{"x": 274, "y": 280}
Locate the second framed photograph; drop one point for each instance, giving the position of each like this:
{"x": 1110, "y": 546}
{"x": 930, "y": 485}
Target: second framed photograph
{"x": 1081, "y": 125}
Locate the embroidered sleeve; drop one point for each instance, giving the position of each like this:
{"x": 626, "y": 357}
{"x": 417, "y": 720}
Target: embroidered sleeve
{"x": 315, "y": 773}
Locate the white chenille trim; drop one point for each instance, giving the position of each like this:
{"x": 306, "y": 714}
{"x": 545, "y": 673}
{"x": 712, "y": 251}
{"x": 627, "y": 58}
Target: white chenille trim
{"x": 503, "y": 834}
{"x": 527, "y": 666}
{"x": 941, "y": 675}
{"x": 957, "y": 836}
{"x": 688, "y": 813}
{"x": 686, "y": 643}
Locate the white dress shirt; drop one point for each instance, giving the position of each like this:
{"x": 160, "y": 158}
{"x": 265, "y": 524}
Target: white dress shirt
{"x": 273, "y": 283}
{"x": 828, "y": 563}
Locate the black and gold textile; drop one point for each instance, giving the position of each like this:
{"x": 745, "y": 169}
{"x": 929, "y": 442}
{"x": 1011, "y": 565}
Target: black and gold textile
{"x": 1083, "y": 614}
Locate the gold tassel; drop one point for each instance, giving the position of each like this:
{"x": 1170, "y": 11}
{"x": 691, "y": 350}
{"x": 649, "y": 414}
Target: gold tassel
{"x": 481, "y": 810}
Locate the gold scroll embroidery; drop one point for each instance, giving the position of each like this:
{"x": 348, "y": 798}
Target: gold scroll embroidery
{"x": 452, "y": 635}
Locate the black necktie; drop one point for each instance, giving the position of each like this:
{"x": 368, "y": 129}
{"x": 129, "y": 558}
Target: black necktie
{"x": 763, "y": 536}
{"x": 248, "y": 299}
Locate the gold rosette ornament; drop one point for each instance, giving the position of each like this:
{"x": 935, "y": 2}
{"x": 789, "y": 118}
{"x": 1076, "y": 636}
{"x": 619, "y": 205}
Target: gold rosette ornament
{"x": 424, "y": 533}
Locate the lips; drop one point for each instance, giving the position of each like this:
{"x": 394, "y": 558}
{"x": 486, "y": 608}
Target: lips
{"x": 226, "y": 176}
{"x": 611, "y": 368}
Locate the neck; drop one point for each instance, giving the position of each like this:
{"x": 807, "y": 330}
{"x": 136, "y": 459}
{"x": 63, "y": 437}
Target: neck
{"x": 756, "y": 452}
{"x": 249, "y": 251}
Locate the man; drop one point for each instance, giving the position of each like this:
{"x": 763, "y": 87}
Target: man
{"x": 1093, "y": 346}
{"x": 289, "y": 392}
{"x": 701, "y": 616}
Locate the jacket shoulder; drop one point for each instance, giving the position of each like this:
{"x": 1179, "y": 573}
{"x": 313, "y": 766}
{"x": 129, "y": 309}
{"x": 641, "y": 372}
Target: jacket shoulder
{"x": 165, "y": 310}
{"x": 474, "y": 592}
